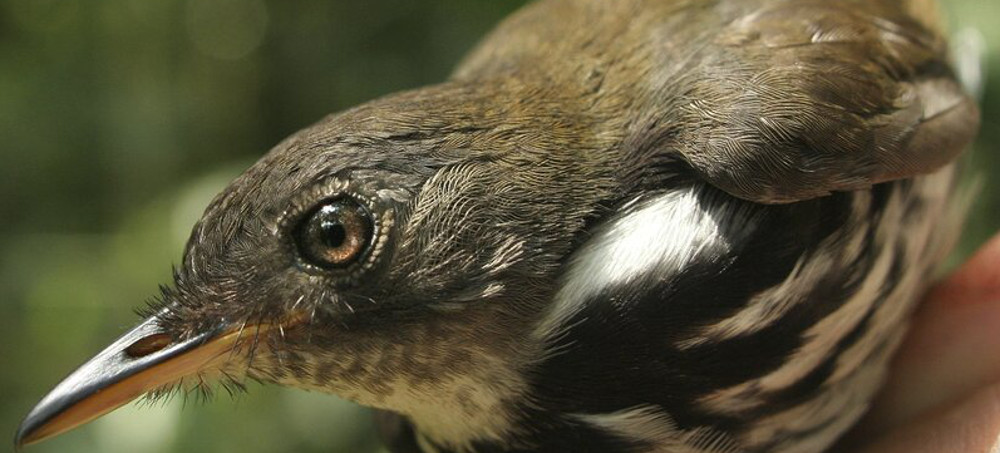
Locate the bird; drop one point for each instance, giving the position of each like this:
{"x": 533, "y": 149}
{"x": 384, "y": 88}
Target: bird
{"x": 688, "y": 226}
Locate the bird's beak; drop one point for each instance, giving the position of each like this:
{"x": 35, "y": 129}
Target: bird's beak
{"x": 142, "y": 360}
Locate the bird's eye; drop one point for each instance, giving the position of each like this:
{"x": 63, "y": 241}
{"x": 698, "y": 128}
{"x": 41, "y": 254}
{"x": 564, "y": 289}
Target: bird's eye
{"x": 336, "y": 234}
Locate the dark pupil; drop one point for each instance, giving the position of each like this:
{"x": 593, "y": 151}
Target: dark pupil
{"x": 334, "y": 233}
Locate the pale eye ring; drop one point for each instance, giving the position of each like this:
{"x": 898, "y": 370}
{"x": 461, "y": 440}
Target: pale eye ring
{"x": 335, "y": 234}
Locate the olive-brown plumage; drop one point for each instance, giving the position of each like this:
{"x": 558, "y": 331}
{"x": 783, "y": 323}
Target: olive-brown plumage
{"x": 634, "y": 225}
{"x": 772, "y": 101}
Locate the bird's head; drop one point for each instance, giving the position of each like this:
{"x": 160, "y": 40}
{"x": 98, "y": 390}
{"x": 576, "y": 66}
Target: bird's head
{"x": 395, "y": 254}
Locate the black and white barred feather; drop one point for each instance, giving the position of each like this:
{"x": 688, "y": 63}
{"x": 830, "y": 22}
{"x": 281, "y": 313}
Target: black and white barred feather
{"x": 692, "y": 322}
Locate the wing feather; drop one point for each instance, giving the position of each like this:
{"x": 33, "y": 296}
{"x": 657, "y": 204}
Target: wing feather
{"x": 804, "y": 98}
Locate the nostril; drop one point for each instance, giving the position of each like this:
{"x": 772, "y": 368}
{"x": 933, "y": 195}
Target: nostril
{"x": 148, "y": 345}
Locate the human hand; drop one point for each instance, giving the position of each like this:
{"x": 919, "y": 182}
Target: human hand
{"x": 943, "y": 391}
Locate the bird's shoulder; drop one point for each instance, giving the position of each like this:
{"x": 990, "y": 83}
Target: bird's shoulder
{"x": 793, "y": 100}
{"x": 772, "y": 101}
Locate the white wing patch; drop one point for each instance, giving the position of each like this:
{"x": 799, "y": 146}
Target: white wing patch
{"x": 663, "y": 235}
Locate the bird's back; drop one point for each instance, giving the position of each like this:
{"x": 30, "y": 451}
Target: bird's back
{"x": 757, "y": 271}
{"x": 769, "y": 100}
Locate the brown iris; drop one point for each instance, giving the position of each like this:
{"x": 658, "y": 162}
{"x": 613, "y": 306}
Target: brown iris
{"x": 335, "y": 234}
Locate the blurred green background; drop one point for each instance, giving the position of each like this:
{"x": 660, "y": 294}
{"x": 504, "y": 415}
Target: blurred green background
{"x": 120, "y": 119}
